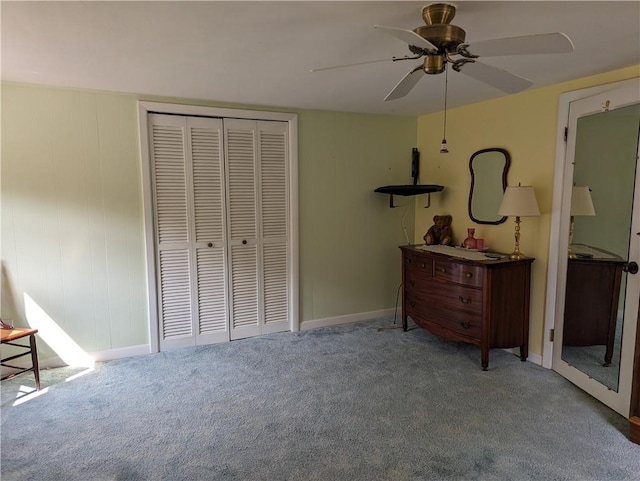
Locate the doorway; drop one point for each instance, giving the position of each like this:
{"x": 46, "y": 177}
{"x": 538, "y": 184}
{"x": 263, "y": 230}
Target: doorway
{"x": 594, "y": 283}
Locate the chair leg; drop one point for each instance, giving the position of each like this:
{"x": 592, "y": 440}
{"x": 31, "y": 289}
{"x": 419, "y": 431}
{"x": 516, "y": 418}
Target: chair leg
{"x": 34, "y": 360}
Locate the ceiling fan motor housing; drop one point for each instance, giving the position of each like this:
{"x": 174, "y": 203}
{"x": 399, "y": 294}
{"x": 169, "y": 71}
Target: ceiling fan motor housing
{"x": 438, "y": 13}
{"x": 443, "y": 36}
{"x": 438, "y": 29}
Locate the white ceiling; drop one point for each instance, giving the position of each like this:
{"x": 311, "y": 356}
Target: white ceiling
{"x": 260, "y": 53}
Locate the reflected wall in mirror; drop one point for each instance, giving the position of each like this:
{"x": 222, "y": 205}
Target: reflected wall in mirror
{"x": 489, "y": 169}
{"x": 605, "y": 161}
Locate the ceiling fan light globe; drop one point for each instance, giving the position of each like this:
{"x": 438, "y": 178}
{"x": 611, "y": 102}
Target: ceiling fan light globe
{"x": 433, "y": 64}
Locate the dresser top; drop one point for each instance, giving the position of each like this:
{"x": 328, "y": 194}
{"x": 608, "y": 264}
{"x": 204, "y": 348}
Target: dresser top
{"x": 460, "y": 254}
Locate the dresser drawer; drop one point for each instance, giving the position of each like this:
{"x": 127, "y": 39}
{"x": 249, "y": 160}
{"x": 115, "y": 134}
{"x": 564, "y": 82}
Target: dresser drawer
{"x": 417, "y": 267}
{"x": 456, "y": 298}
{"x": 459, "y": 273}
{"x": 420, "y": 306}
{"x": 464, "y": 323}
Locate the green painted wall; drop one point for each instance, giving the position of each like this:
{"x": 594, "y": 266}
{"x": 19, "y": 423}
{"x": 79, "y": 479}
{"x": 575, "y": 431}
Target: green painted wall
{"x": 72, "y": 224}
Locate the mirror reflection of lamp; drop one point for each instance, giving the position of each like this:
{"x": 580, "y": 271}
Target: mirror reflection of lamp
{"x": 519, "y": 201}
{"x": 581, "y": 204}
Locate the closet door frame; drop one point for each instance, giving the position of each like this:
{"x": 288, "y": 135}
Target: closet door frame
{"x": 144, "y": 109}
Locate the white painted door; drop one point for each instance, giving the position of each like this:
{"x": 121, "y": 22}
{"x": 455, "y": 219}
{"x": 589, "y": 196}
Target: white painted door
{"x": 258, "y": 211}
{"x": 189, "y": 206}
{"x": 610, "y": 110}
{"x": 221, "y": 210}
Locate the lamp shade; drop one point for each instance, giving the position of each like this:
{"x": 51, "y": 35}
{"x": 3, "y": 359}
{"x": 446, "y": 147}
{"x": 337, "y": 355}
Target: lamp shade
{"x": 519, "y": 201}
{"x": 581, "y": 202}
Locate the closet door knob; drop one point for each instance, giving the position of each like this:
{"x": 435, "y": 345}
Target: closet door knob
{"x": 244, "y": 241}
{"x": 210, "y": 244}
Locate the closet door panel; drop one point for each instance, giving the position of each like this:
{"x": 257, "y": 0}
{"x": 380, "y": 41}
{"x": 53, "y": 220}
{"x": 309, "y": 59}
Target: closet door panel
{"x": 274, "y": 209}
{"x": 170, "y": 178}
{"x": 209, "y": 246}
{"x": 240, "y": 152}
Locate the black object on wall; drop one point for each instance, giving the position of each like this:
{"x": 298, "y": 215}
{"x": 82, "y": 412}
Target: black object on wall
{"x": 407, "y": 190}
{"x": 415, "y": 165}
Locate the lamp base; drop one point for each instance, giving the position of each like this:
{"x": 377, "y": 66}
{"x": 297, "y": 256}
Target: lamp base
{"x": 517, "y": 256}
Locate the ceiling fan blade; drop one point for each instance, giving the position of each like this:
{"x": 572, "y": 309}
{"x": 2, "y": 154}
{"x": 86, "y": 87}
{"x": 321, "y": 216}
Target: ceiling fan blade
{"x": 496, "y": 77}
{"x": 350, "y": 65}
{"x": 525, "y": 45}
{"x": 405, "y": 85}
{"x": 407, "y": 36}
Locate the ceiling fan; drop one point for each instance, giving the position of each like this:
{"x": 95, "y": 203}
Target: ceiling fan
{"x": 439, "y": 43}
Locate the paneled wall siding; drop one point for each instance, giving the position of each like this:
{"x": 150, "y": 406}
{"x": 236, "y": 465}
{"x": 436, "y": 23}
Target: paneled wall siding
{"x": 72, "y": 218}
{"x": 71, "y": 214}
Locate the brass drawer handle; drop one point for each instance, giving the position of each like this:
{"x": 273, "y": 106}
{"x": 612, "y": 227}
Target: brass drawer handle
{"x": 443, "y": 269}
{"x": 469, "y": 274}
{"x": 422, "y": 265}
{"x": 465, "y": 300}
{"x": 465, "y": 325}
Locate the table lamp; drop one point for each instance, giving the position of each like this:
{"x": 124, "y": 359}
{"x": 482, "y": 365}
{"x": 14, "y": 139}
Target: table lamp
{"x": 581, "y": 204}
{"x": 518, "y": 201}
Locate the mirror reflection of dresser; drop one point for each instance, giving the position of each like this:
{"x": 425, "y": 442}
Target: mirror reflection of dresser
{"x": 591, "y": 312}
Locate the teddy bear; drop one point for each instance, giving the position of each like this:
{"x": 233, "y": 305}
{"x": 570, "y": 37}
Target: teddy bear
{"x": 440, "y": 232}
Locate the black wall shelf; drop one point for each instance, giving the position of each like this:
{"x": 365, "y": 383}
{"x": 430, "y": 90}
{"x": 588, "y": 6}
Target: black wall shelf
{"x": 407, "y": 190}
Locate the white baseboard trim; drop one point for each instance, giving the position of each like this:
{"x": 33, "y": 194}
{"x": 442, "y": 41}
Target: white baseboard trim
{"x": 120, "y": 353}
{"x": 532, "y": 357}
{"x": 335, "y": 321}
{"x": 100, "y": 356}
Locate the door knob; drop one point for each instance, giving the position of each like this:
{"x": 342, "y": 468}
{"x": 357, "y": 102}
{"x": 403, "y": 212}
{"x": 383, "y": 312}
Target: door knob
{"x": 630, "y": 267}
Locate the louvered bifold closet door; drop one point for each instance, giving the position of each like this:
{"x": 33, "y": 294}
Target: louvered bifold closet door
{"x": 274, "y": 207}
{"x": 240, "y": 152}
{"x": 209, "y": 225}
{"x": 257, "y": 163}
{"x": 187, "y": 173}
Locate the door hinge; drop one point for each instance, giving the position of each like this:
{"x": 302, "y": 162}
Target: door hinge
{"x": 566, "y": 133}
{"x": 551, "y": 334}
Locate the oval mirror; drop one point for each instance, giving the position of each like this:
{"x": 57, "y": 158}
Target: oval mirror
{"x": 488, "y": 182}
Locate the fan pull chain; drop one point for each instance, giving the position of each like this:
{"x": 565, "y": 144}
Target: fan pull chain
{"x": 443, "y": 148}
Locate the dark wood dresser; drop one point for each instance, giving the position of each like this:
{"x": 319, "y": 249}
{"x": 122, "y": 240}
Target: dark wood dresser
{"x": 484, "y": 302}
{"x": 591, "y": 302}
